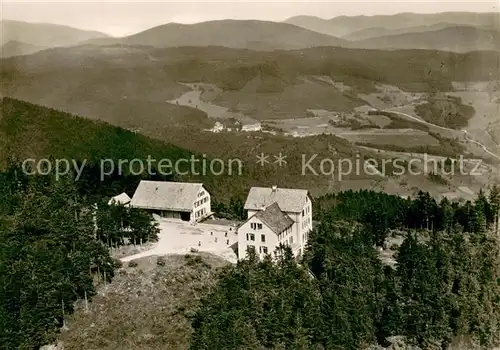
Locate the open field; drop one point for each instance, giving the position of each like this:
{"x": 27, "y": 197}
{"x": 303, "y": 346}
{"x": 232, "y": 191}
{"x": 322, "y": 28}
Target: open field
{"x": 396, "y": 137}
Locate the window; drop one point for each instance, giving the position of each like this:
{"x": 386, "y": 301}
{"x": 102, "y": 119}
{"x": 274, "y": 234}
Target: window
{"x": 251, "y": 248}
{"x": 250, "y": 237}
{"x": 291, "y": 240}
{"x": 253, "y": 225}
{"x": 262, "y": 238}
{"x": 302, "y": 212}
{"x": 263, "y": 250}
{"x": 259, "y": 226}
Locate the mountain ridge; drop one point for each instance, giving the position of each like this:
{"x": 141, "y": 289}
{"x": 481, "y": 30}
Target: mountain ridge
{"x": 240, "y": 34}
{"x": 17, "y": 48}
{"x": 343, "y": 25}
{"x": 44, "y": 34}
{"x": 459, "y": 39}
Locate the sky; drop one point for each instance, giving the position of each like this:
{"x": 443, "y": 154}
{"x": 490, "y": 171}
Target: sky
{"x": 119, "y": 18}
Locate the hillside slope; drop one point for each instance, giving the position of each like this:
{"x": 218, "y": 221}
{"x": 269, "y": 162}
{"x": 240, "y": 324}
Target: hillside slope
{"x": 456, "y": 39}
{"x": 242, "y": 34}
{"x": 32, "y": 131}
{"x": 343, "y": 25}
{"x": 44, "y": 34}
{"x": 16, "y": 48}
{"x": 374, "y": 32}
{"x": 139, "y": 301}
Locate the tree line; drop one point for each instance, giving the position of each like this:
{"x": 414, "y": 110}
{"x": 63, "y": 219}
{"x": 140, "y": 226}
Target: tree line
{"x": 54, "y": 240}
{"x": 381, "y": 212}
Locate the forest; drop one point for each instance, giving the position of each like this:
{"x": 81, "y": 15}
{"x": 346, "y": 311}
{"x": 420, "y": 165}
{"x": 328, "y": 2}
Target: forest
{"x": 54, "y": 240}
{"x": 55, "y": 235}
{"x": 445, "y": 287}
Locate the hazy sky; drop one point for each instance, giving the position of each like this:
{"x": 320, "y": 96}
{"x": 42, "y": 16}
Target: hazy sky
{"x": 123, "y": 18}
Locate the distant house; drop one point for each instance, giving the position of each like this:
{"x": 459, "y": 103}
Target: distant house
{"x": 178, "y": 200}
{"x": 287, "y": 213}
{"x": 121, "y": 199}
{"x": 218, "y": 127}
{"x": 252, "y": 127}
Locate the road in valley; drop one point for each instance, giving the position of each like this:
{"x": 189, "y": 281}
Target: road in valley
{"x": 444, "y": 128}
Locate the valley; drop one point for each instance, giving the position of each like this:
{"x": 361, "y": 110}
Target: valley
{"x": 319, "y": 100}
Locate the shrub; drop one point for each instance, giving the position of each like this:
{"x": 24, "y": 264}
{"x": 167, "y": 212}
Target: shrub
{"x": 117, "y": 263}
{"x": 160, "y": 261}
{"x": 132, "y": 263}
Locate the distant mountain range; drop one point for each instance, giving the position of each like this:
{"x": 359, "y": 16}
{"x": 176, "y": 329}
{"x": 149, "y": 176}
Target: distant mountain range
{"x": 342, "y": 26}
{"x": 238, "y": 34}
{"x": 456, "y": 39}
{"x": 23, "y": 38}
{"x": 374, "y": 32}
{"x": 458, "y": 32}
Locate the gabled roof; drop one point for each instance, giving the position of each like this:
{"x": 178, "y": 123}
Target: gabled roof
{"x": 274, "y": 218}
{"x": 289, "y": 200}
{"x": 163, "y": 195}
{"x": 122, "y": 198}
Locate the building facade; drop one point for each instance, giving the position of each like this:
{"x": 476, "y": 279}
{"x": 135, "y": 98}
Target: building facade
{"x": 176, "y": 200}
{"x": 264, "y": 231}
{"x": 295, "y": 204}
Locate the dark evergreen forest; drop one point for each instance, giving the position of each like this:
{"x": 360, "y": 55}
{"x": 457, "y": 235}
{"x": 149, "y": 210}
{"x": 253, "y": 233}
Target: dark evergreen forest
{"x": 54, "y": 239}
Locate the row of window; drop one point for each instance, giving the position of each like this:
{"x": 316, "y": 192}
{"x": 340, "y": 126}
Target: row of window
{"x": 251, "y": 237}
{"x": 305, "y": 237}
{"x": 285, "y": 233}
{"x": 262, "y": 249}
{"x": 200, "y": 202}
{"x": 306, "y": 211}
{"x": 306, "y": 222}
{"x": 255, "y": 226}
{"x": 200, "y": 213}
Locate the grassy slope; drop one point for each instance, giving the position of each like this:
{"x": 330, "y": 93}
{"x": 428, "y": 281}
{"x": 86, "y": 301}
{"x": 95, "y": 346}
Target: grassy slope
{"x": 35, "y": 131}
{"x": 145, "y": 307}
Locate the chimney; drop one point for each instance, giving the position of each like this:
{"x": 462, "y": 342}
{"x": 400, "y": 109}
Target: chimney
{"x": 275, "y": 188}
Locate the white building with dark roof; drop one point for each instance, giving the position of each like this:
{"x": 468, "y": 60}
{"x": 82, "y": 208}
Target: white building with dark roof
{"x": 287, "y": 206}
{"x": 178, "y": 200}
